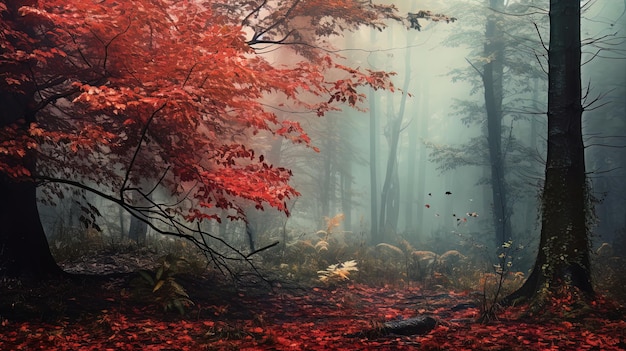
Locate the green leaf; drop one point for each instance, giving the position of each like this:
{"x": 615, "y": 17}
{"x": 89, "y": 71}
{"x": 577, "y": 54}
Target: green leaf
{"x": 178, "y": 289}
{"x": 159, "y": 273}
{"x": 147, "y": 276}
{"x": 179, "y": 306}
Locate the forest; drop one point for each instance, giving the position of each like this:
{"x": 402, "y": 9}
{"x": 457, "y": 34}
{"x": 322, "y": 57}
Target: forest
{"x": 312, "y": 175}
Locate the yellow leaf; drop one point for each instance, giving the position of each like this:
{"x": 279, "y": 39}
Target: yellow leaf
{"x": 158, "y": 285}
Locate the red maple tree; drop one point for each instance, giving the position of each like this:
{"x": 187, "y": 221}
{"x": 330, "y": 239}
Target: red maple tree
{"x": 124, "y": 97}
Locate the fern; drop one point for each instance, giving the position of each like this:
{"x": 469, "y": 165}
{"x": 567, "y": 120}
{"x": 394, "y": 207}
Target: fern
{"x": 337, "y": 272}
{"x": 160, "y": 286}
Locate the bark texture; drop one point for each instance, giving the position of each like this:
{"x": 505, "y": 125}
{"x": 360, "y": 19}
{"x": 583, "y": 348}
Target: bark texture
{"x": 562, "y": 265}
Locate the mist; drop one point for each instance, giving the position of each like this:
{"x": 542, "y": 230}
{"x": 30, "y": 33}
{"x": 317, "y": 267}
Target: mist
{"x": 312, "y": 175}
{"x": 438, "y": 192}
{"x": 442, "y": 184}
{"x": 416, "y": 163}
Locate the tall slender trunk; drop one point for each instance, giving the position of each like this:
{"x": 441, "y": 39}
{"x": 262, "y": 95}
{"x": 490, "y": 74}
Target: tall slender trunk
{"x": 346, "y": 195}
{"x": 389, "y": 210}
{"x": 376, "y": 234}
{"x": 423, "y": 155}
{"x": 413, "y": 158}
{"x": 411, "y": 178}
{"x": 328, "y": 171}
{"x": 120, "y": 213}
{"x": 492, "y": 82}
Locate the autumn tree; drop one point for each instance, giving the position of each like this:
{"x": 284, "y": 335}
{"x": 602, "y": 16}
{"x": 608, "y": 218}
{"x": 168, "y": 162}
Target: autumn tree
{"x": 124, "y": 98}
{"x": 562, "y": 267}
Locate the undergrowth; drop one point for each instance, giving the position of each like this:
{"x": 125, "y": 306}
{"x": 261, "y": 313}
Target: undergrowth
{"x": 332, "y": 255}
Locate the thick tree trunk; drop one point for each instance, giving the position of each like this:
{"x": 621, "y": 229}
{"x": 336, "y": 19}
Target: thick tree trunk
{"x": 24, "y": 250}
{"x": 562, "y": 265}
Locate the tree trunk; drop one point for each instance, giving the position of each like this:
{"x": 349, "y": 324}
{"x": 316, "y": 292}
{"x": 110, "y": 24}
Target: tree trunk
{"x": 389, "y": 198}
{"x": 530, "y": 212}
{"x": 423, "y": 156}
{"x": 389, "y": 190}
{"x": 376, "y": 235}
{"x": 393, "y": 203}
{"x": 492, "y": 82}
{"x": 121, "y": 217}
{"x": 24, "y": 250}
{"x": 328, "y": 188}
{"x": 346, "y": 194}
{"x": 562, "y": 265}
{"x": 138, "y": 228}
{"x": 410, "y": 195}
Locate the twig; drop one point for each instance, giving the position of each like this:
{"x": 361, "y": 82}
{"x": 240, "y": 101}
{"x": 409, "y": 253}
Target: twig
{"x": 141, "y": 138}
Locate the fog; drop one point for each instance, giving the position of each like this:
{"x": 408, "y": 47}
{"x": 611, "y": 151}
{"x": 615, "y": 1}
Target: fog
{"x": 439, "y": 194}
{"x": 430, "y": 120}
{"x": 444, "y": 190}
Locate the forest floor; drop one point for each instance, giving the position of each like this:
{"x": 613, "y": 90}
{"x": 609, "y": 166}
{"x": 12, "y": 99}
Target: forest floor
{"x": 100, "y": 314}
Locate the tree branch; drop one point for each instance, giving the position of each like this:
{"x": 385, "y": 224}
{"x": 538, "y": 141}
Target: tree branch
{"x": 155, "y": 211}
{"x": 132, "y": 161}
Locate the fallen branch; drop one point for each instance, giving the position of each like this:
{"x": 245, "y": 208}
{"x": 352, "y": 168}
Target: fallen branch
{"x": 412, "y": 326}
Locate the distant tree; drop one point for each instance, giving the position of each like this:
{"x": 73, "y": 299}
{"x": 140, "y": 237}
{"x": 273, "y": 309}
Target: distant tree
{"x": 384, "y": 214}
{"x": 107, "y": 95}
{"x": 492, "y": 76}
{"x": 334, "y": 167}
{"x": 390, "y": 193}
{"x": 417, "y": 159}
{"x": 376, "y": 234}
{"x": 562, "y": 267}
{"x": 138, "y": 227}
{"x": 500, "y": 66}
{"x": 605, "y": 123}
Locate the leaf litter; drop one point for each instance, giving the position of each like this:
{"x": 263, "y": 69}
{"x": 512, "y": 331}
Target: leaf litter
{"x": 342, "y": 317}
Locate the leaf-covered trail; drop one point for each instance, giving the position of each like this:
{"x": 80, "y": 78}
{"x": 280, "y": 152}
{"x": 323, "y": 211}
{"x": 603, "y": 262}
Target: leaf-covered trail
{"x": 305, "y": 319}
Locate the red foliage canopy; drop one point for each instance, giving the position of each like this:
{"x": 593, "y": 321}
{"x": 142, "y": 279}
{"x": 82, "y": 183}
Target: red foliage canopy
{"x": 168, "y": 92}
